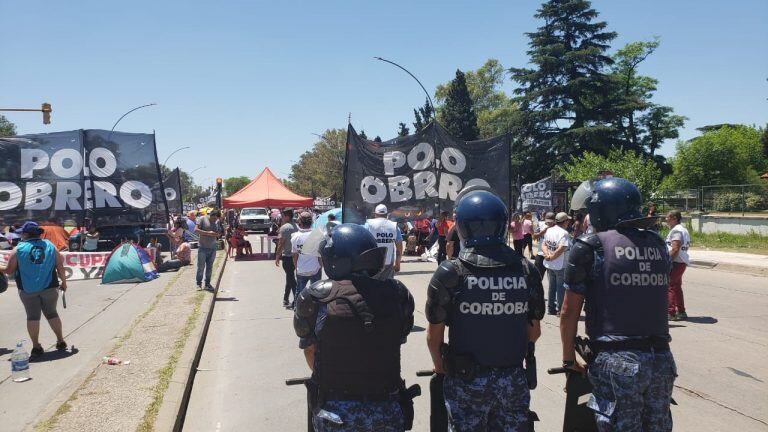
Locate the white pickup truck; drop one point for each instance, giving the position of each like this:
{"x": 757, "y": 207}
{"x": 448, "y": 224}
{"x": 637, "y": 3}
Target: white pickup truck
{"x": 255, "y": 219}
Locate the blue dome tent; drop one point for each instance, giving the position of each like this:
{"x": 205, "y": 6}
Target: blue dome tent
{"x": 129, "y": 262}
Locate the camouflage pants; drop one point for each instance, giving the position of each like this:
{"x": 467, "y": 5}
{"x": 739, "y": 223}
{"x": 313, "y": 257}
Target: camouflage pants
{"x": 497, "y": 400}
{"x": 632, "y": 391}
{"x": 361, "y": 416}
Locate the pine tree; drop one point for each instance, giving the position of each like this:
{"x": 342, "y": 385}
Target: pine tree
{"x": 403, "y": 130}
{"x": 363, "y": 135}
{"x": 563, "y": 97}
{"x": 423, "y": 116}
{"x": 7, "y": 129}
{"x": 457, "y": 114}
{"x": 377, "y": 139}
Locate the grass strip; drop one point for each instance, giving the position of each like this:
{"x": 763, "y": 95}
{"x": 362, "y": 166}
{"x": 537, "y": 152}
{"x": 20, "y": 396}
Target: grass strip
{"x": 50, "y": 423}
{"x": 752, "y": 242}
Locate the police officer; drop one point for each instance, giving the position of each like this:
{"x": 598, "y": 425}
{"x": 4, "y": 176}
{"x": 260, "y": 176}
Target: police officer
{"x": 388, "y": 236}
{"x": 491, "y": 300}
{"x": 622, "y": 271}
{"x": 351, "y": 328}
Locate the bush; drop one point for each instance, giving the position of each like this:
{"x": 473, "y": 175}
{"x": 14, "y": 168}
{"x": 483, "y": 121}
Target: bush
{"x": 732, "y": 201}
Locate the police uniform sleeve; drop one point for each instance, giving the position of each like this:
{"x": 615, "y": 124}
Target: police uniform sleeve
{"x": 580, "y": 262}
{"x": 442, "y": 288}
{"x": 408, "y": 306}
{"x": 535, "y": 291}
{"x": 305, "y": 314}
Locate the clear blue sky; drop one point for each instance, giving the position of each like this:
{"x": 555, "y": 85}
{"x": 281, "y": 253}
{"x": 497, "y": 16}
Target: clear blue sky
{"x": 245, "y": 83}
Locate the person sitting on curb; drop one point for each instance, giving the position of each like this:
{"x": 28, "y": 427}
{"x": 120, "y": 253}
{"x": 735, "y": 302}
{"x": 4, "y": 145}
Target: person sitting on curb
{"x": 35, "y": 264}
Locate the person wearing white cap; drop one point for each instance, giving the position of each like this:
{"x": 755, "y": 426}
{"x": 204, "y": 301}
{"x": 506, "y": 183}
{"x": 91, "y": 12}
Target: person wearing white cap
{"x": 387, "y": 235}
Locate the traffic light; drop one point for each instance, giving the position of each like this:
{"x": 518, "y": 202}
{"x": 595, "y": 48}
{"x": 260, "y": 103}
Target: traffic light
{"x": 46, "y": 109}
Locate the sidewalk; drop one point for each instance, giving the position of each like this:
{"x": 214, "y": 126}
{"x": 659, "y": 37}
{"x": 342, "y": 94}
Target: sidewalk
{"x": 730, "y": 261}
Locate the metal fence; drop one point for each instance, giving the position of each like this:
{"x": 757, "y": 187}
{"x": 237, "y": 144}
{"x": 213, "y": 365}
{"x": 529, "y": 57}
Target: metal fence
{"x": 741, "y": 199}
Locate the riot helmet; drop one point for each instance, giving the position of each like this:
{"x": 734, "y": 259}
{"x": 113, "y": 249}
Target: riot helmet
{"x": 616, "y": 203}
{"x": 481, "y": 218}
{"x": 349, "y": 249}
{"x": 582, "y": 195}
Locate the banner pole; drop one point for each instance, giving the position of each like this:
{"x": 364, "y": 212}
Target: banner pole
{"x": 344, "y": 198}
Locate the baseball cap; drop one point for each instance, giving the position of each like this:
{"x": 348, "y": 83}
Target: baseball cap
{"x": 381, "y": 209}
{"x": 549, "y": 217}
{"x": 305, "y": 217}
{"x": 562, "y": 217}
{"x": 30, "y": 227}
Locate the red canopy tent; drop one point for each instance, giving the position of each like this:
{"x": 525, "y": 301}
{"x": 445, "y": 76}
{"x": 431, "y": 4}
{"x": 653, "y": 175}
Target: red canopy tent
{"x": 266, "y": 190}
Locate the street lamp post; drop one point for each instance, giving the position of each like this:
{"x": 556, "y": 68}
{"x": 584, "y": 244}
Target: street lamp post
{"x": 174, "y": 152}
{"x": 123, "y": 116}
{"x": 429, "y": 98}
{"x": 196, "y": 169}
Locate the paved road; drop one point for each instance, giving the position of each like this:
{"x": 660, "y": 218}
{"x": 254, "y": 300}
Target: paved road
{"x": 95, "y": 315}
{"x": 251, "y": 350}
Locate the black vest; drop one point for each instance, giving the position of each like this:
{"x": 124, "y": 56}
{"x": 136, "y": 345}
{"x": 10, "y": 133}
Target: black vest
{"x": 489, "y": 316}
{"x": 358, "y": 351}
{"x": 628, "y": 295}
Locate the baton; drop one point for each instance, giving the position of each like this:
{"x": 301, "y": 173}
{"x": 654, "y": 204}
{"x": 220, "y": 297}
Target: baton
{"x": 64, "y": 299}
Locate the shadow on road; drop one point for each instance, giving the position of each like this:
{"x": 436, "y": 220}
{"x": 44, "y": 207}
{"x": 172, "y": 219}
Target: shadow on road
{"x": 417, "y": 329}
{"x": 227, "y": 299}
{"x": 55, "y": 355}
{"x": 702, "y": 320}
{"x": 4, "y": 351}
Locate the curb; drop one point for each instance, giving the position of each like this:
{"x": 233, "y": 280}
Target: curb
{"x": 728, "y": 267}
{"x": 176, "y": 398}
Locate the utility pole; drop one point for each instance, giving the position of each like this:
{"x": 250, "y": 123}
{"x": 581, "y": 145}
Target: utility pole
{"x": 45, "y": 108}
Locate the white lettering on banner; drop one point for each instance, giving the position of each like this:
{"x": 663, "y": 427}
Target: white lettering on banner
{"x": 380, "y": 190}
{"x": 453, "y": 160}
{"x": 512, "y": 308}
{"x": 392, "y": 161}
{"x": 13, "y": 193}
{"x": 421, "y": 157}
{"x": 170, "y": 194}
{"x": 68, "y": 163}
{"x": 424, "y": 184}
{"x": 496, "y": 283}
{"x": 399, "y": 189}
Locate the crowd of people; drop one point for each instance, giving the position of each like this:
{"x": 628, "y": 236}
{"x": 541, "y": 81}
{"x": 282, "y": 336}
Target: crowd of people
{"x": 484, "y": 311}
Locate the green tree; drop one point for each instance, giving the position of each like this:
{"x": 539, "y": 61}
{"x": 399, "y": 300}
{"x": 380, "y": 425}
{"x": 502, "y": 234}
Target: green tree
{"x": 234, "y": 184}
{"x": 727, "y": 155}
{"x": 422, "y": 116}
{"x": 641, "y": 125}
{"x": 377, "y": 139}
{"x": 457, "y": 113}
{"x": 623, "y": 163}
{"x": 320, "y": 170}
{"x": 496, "y": 112}
{"x": 764, "y": 140}
{"x": 363, "y": 135}
{"x": 403, "y": 130}
{"x": 562, "y": 97}
{"x": 7, "y": 129}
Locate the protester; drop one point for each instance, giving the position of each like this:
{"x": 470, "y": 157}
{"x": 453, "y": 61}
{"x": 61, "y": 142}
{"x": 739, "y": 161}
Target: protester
{"x": 555, "y": 245}
{"x": 183, "y": 255}
{"x": 577, "y": 227}
{"x": 516, "y": 228}
{"x": 191, "y": 221}
{"x": 208, "y": 230}
{"x": 538, "y": 234}
{"x": 678, "y": 241}
{"x": 453, "y": 247}
{"x": 652, "y": 213}
{"x": 91, "y": 243}
{"x": 154, "y": 250}
{"x": 308, "y": 267}
{"x": 11, "y": 235}
{"x": 331, "y": 224}
{"x": 528, "y": 234}
{"x": 388, "y": 236}
{"x": 39, "y": 270}
{"x": 283, "y": 252}
{"x": 242, "y": 243}
{"x": 443, "y": 226}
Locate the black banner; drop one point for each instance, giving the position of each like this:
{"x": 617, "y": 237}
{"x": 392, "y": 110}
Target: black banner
{"x": 537, "y": 196}
{"x": 173, "y": 192}
{"x": 419, "y": 175}
{"x": 107, "y": 177}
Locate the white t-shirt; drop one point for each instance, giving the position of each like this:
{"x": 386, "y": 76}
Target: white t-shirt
{"x": 553, "y": 239}
{"x": 386, "y": 234}
{"x": 306, "y": 265}
{"x": 679, "y": 233}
